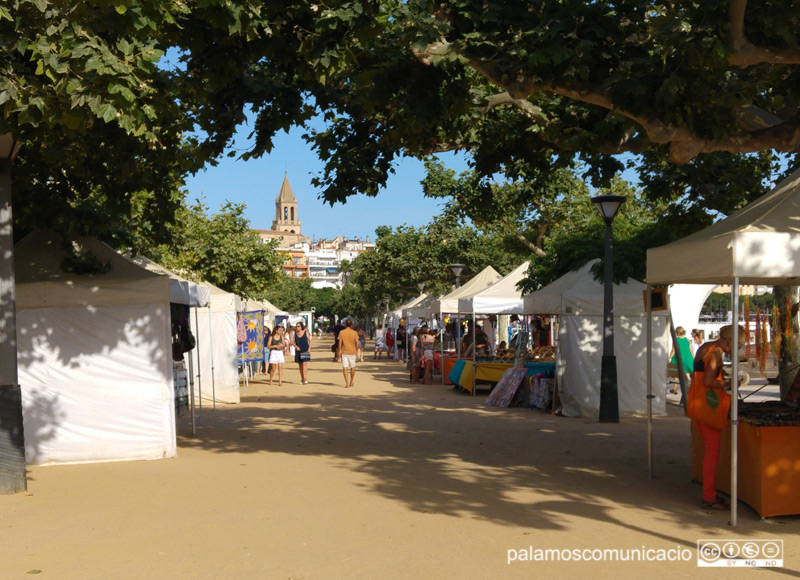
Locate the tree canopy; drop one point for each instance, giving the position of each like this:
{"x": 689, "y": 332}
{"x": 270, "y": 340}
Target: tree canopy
{"x": 221, "y": 249}
{"x": 546, "y": 82}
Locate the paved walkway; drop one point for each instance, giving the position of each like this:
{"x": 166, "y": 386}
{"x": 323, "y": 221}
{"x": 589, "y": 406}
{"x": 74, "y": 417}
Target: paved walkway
{"x": 386, "y": 480}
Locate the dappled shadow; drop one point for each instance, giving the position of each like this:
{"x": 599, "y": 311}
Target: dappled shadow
{"x": 88, "y": 375}
{"x": 441, "y": 452}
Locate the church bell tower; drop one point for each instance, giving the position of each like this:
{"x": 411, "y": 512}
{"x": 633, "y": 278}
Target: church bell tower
{"x": 286, "y": 218}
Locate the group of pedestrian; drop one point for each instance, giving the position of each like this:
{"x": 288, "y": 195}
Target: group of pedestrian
{"x": 279, "y": 344}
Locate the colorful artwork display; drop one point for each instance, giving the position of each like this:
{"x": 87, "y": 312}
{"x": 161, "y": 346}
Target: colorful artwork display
{"x": 506, "y": 387}
{"x": 252, "y": 349}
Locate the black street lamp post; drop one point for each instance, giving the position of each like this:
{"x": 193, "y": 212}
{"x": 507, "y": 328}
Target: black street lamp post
{"x": 608, "y": 206}
{"x": 456, "y": 269}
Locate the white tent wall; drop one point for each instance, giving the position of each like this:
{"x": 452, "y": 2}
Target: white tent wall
{"x": 578, "y": 300}
{"x": 94, "y": 357}
{"x": 97, "y": 384}
{"x": 580, "y": 351}
{"x": 218, "y": 345}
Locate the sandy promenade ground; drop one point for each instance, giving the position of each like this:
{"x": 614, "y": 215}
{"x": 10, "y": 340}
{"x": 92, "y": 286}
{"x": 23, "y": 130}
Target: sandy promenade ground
{"x": 386, "y": 480}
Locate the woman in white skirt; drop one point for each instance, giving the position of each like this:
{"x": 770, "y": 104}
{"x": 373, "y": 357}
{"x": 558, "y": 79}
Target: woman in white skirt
{"x": 276, "y": 360}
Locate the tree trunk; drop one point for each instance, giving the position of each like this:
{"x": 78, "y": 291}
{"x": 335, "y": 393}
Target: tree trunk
{"x": 790, "y": 350}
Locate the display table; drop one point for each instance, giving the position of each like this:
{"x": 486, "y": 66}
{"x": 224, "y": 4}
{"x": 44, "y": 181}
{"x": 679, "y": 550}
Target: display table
{"x": 768, "y": 466}
{"x": 447, "y": 366}
{"x": 461, "y": 371}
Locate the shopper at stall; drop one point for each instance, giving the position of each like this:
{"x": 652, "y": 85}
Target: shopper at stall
{"x": 401, "y": 342}
{"x": 413, "y": 353}
{"x": 428, "y": 340}
{"x": 302, "y": 350}
{"x": 708, "y": 404}
{"x": 276, "y": 359}
{"x": 687, "y": 355}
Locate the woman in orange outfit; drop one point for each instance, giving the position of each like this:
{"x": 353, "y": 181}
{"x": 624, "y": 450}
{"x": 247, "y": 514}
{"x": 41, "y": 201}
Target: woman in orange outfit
{"x": 708, "y": 374}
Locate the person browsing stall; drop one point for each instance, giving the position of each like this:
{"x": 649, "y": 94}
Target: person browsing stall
{"x": 707, "y": 396}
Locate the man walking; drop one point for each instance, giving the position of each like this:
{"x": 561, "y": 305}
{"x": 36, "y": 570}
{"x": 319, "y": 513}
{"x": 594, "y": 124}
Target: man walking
{"x": 347, "y": 351}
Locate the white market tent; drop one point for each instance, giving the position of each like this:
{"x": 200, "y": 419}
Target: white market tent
{"x": 94, "y": 352}
{"x": 577, "y": 298}
{"x": 448, "y": 304}
{"x": 181, "y": 290}
{"x": 218, "y": 356}
{"x": 502, "y": 297}
{"x": 398, "y": 313}
{"x": 420, "y": 309}
{"x": 759, "y": 244}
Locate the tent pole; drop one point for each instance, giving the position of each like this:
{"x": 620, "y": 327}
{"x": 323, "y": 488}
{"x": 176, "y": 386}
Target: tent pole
{"x": 244, "y": 373}
{"x": 735, "y": 403}
{"x": 211, "y": 350}
{"x": 649, "y": 307}
{"x": 474, "y": 353}
{"x": 442, "y": 336}
{"x": 199, "y": 373}
{"x": 191, "y": 391}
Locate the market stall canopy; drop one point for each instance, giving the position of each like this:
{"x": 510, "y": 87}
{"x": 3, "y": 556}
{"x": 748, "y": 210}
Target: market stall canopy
{"x": 42, "y": 282}
{"x": 397, "y": 314}
{"x": 448, "y": 304}
{"x": 502, "y": 297}
{"x": 421, "y": 309}
{"x": 578, "y": 292}
{"x": 759, "y": 244}
{"x": 265, "y": 305}
{"x": 181, "y": 290}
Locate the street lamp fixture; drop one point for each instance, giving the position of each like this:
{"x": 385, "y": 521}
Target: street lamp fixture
{"x": 608, "y": 206}
{"x": 421, "y": 286}
{"x": 12, "y": 438}
{"x": 456, "y": 269}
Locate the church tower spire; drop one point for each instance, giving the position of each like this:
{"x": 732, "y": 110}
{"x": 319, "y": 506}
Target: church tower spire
{"x": 286, "y": 218}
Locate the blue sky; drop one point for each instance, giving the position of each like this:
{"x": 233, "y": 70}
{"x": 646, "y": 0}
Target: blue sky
{"x": 256, "y": 183}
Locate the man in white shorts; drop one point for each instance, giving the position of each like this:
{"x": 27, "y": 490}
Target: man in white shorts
{"x": 348, "y": 349}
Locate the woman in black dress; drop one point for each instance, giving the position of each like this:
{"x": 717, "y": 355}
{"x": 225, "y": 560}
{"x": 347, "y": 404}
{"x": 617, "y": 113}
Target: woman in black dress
{"x": 302, "y": 350}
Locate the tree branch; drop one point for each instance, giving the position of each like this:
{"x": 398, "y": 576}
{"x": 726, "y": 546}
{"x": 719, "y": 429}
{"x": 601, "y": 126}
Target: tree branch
{"x": 745, "y": 53}
{"x": 505, "y": 98}
{"x": 684, "y": 145}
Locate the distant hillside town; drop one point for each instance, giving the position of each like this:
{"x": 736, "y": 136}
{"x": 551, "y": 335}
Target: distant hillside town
{"x": 319, "y": 260}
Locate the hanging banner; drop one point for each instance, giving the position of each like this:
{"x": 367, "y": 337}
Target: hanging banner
{"x": 252, "y": 349}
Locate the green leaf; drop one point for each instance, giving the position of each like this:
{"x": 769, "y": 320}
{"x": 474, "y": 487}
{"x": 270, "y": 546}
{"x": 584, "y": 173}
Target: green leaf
{"x": 107, "y": 112}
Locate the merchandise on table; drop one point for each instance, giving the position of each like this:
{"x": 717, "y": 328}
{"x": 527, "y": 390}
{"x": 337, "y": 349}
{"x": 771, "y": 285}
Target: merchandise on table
{"x": 769, "y": 414}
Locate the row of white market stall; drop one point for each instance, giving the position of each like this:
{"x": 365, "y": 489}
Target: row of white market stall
{"x": 577, "y": 299}
{"x": 95, "y": 352}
